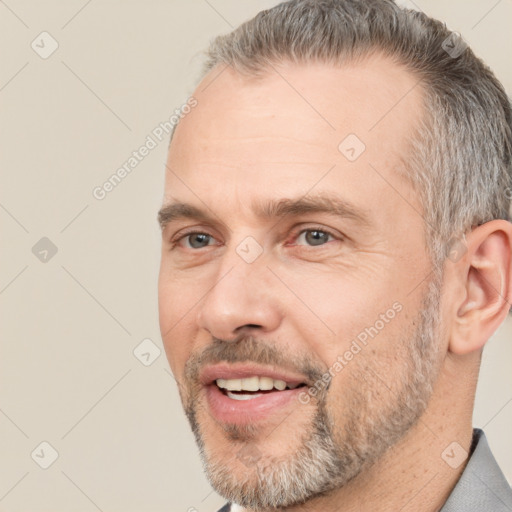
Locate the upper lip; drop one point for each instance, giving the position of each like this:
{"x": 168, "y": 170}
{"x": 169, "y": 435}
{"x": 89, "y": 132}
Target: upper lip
{"x": 211, "y": 373}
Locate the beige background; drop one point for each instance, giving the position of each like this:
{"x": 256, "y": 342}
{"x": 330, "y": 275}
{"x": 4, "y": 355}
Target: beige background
{"x": 68, "y": 375}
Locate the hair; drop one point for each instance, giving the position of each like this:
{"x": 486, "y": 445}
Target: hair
{"x": 459, "y": 161}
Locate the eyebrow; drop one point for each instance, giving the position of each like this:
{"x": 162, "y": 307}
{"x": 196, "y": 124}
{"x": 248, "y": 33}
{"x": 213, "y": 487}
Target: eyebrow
{"x": 272, "y": 209}
{"x": 177, "y": 211}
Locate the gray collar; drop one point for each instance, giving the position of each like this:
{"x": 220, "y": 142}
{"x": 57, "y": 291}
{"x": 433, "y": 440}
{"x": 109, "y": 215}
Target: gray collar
{"x": 482, "y": 486}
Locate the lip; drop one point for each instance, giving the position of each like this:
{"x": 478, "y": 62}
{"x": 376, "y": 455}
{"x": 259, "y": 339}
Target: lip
{"x": 244, "y": 412}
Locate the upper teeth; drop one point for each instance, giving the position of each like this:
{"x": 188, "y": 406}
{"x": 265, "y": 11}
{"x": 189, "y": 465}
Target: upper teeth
{"x": 253, "y": 384}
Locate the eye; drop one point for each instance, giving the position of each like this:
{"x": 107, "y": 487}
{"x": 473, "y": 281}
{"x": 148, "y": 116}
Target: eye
{"x": 194, "y": 240}
{"x": 314, "y": 237}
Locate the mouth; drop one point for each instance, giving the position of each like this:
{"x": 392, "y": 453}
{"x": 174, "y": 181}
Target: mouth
{"x": 250, "y": 388}
{"x": 243, "y": 394}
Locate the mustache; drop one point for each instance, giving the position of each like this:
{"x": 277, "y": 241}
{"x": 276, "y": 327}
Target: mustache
{"x": 250, "y": 349}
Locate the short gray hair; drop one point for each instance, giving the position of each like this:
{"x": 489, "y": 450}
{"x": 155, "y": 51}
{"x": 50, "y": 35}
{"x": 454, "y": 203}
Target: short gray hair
{"x": 460, "y": 158}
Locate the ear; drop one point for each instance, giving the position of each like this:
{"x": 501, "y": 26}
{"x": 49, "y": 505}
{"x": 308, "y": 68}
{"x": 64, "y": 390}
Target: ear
{"x": 485, "y": 276}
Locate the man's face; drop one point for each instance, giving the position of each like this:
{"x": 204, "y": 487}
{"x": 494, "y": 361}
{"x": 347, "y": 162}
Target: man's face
{"x": 271, "y": 283}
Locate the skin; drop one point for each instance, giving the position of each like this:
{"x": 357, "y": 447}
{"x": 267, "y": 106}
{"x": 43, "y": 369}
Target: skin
{"x": 252, "y": 140}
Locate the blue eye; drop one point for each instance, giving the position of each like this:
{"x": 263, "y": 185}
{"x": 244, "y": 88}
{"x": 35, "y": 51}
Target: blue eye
{"x": 315, "y": 237}
{"x": 312, "y": 237}
{"x": 197, "y": 240}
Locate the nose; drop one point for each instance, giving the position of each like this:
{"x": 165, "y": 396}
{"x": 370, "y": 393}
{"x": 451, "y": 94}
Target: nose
{"x": 241, "y": 300}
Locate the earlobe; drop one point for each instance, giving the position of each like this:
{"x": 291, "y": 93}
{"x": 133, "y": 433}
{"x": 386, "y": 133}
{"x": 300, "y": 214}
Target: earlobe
{"x": 486, "y": 278}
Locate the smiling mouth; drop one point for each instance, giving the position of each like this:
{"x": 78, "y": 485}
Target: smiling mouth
{"x": 248, "y": 388}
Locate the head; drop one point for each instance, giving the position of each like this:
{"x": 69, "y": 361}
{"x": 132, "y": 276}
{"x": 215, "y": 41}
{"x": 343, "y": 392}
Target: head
{"x": 335, "y": 218}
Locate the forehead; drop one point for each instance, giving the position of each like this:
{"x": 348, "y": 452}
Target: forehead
{"x": 284, "y": 130}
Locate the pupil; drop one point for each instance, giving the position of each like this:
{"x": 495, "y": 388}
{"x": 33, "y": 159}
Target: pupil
{"x": 200, "y": 239}
{"x": 316, "y": 237}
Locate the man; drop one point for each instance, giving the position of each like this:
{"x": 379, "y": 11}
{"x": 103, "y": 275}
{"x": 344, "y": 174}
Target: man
{"x": 336, "y": 253}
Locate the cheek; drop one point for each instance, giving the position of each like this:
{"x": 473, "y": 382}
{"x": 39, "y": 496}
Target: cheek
{"x": 175, "y": 321}
{"x": 175, "y": 295}
{"x": 336, "y": 308}
{"x": 349, "y": 326}
{"x": 168, "y": 306}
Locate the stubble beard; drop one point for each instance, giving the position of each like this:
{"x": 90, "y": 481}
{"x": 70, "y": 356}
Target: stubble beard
{"x": 374, "y": 418}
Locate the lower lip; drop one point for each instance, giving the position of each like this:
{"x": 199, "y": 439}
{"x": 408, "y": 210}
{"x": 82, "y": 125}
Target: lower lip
{"x": 229, "y": 410}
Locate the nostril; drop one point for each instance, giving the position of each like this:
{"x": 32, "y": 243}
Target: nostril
{"x": 246, "y": 328}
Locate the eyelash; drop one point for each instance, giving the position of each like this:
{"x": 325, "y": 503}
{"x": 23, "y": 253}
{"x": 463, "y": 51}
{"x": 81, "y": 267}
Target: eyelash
{"x": 295, "y": 234}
